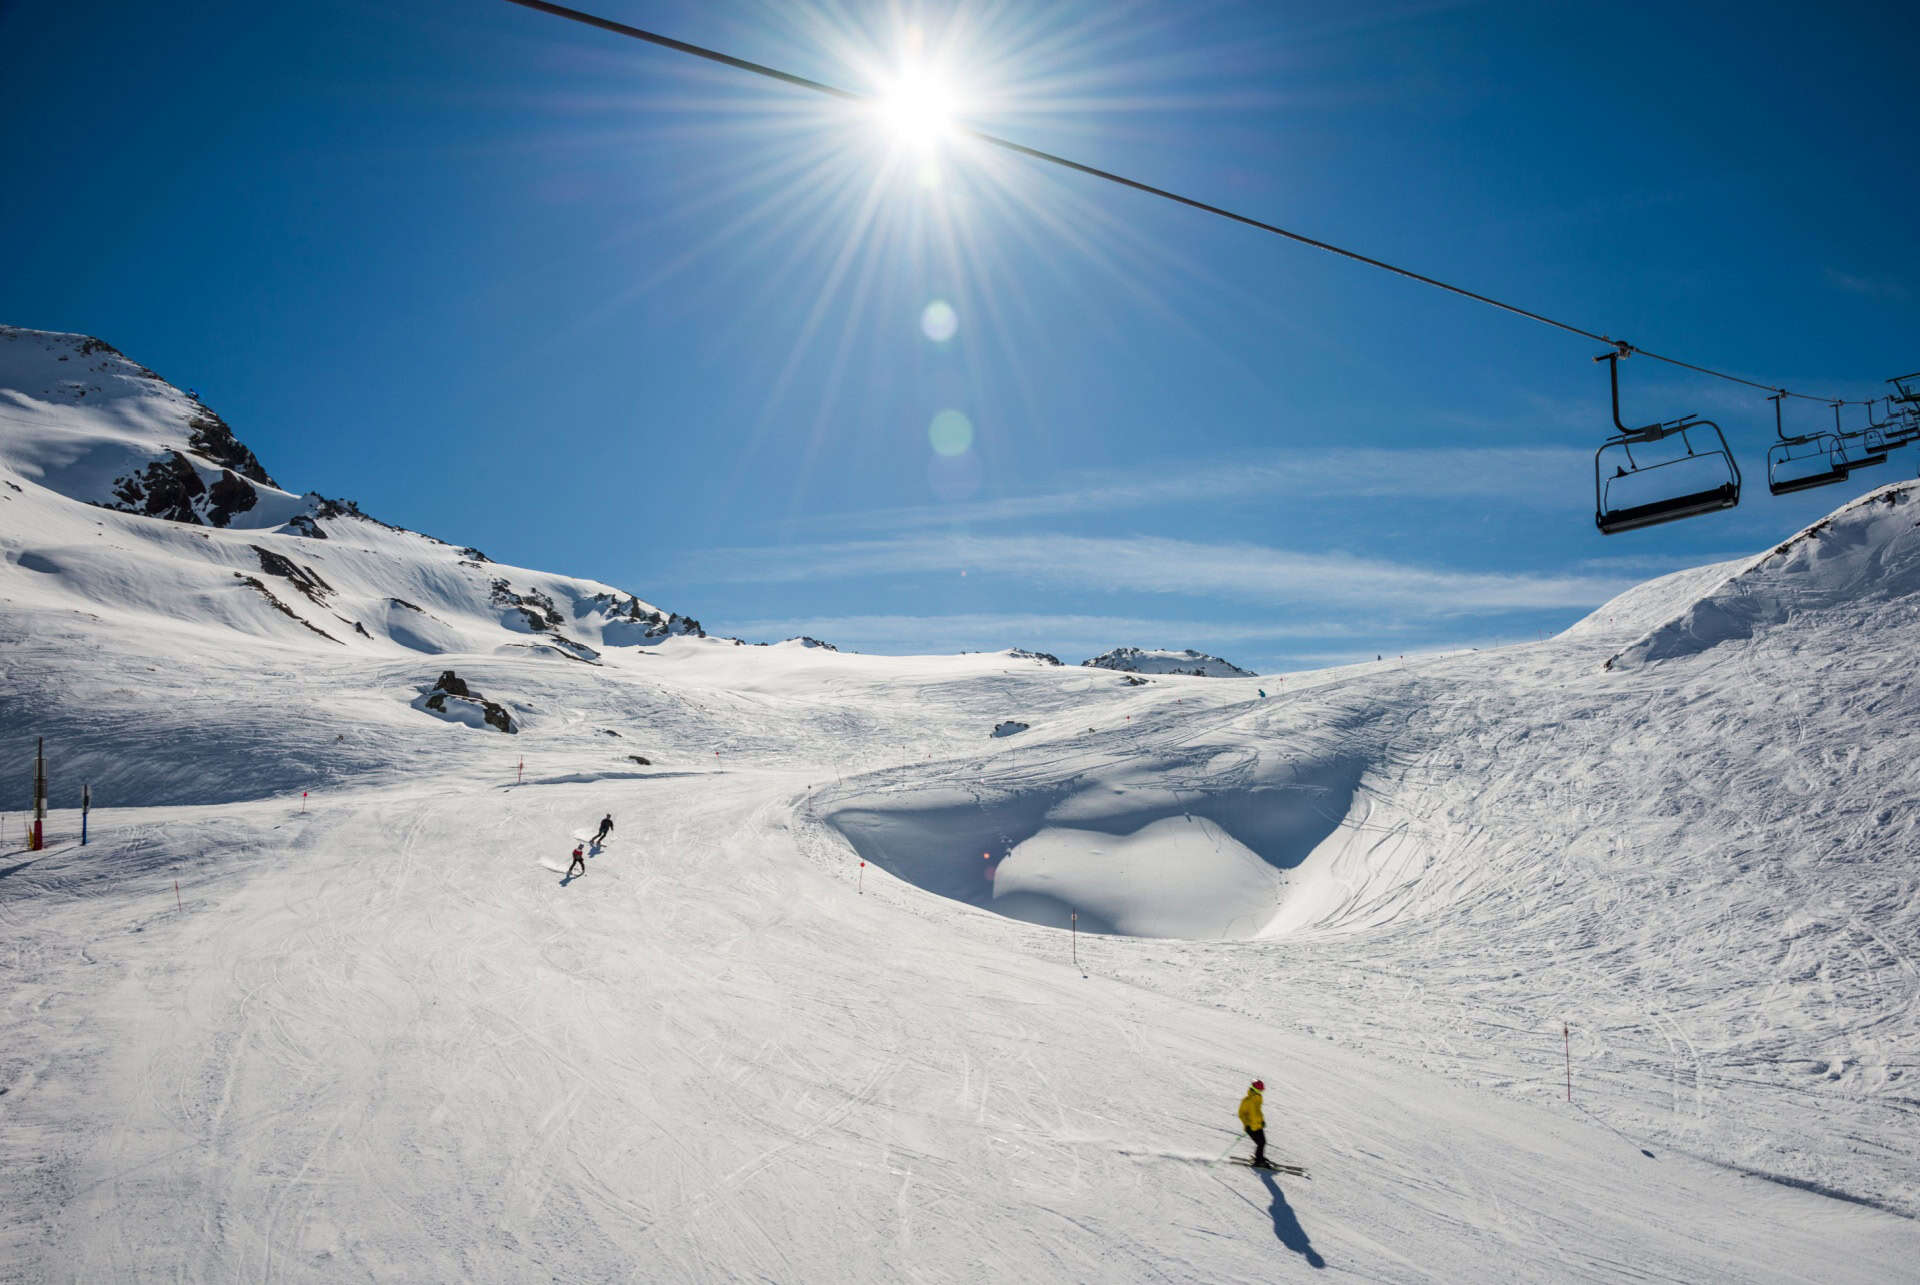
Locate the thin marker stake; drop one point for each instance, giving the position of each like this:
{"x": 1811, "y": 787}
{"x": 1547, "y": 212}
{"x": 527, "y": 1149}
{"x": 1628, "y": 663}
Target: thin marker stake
{"x": 1566, "y": 1047}
{"x": 176, "y": 898}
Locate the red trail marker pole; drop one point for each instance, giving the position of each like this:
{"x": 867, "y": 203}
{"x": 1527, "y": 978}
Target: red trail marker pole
{"x": 1566, "y": 1047}
{"x": 520, "y": 775}
{"x": 1073, "y": 924}
{"x": 39, "y": 839}
{"x": 860, "y": 884}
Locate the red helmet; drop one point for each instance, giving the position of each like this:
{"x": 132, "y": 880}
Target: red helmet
{"x": 1260, "y": 1085}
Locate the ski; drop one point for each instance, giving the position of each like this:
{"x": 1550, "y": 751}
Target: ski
{"x": 1297, "y": 1171}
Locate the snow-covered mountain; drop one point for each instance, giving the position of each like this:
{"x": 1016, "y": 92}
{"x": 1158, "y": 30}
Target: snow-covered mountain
{"x": 85, "y": 423}
{"x": 1139, "y": 660}
{"x": 861, "y": 991}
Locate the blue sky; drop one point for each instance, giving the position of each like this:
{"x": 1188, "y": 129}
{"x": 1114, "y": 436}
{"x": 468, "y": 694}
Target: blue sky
{"x": 599, "y": 308}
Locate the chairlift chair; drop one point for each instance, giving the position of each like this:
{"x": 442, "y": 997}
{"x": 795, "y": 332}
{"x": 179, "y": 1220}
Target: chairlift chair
{"x": 1783, "y": 455}
{"x": 1862, "y": 448}
{"x": 1901, "y": 426}
{"x": 1629, "y": 517}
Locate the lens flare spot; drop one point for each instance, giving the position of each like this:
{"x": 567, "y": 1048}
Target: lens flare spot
{"x": 939, "y": 322}
{"x": 951, "y": 433}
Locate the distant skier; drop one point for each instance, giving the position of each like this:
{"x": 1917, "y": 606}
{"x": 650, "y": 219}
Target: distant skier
{"x": 1255, "y": 1123}
{"x": 579, "y": 861}
{"x": 606, "y": 828}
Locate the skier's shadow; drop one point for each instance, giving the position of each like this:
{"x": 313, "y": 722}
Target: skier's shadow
{"x": 1287, "y": 1227}
{"x": 569, "y": 879}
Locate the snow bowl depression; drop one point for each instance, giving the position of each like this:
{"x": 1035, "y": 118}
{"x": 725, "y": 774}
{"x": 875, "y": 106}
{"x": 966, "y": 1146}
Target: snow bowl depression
{"x": 1128, "y": 850}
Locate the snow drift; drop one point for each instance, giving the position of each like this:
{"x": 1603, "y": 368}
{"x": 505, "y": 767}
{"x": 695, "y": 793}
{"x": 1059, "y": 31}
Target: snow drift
{"x": 1861, "y": 563}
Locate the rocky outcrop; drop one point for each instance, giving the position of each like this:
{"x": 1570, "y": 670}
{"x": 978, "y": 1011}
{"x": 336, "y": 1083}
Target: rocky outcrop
{"x": 1196, "y": 664}
{"x": 254, "y": 583}
{"x": 210, "y": 437}
{"x": 451, "y": 699}
{"x": 171, "y": 488}
{"x": 305, "y": 579}
{"x": 1045, "y": 658}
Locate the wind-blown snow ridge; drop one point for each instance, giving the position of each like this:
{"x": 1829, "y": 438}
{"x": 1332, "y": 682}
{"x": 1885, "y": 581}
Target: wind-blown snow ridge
{"x": 1862, "y": 561}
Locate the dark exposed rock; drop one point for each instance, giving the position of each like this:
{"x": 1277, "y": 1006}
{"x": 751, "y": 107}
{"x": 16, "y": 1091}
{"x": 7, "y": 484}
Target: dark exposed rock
{"x": 402, "y": 602}
{"x": 1045, "y": 658}
{"x": 641, "y": 759}
{"x": 281, "y": 607}
{"x": 305, "y": 525}
{"x": 166, "y": 488}
{"x": 537, "y": 608}
{"x": 170, "y": 488}
{"x": 452, "y": 682}
{"x": 494, "y": 715}
{"x": 305, "y": 579}
{"x": 228, "y": 496}
{"x": 472, "y": 554}
{"x": 210, "y": 436}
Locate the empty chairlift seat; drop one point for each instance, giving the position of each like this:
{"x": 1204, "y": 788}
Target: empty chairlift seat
{"x": 1683, "y": 468}
{"x": 1862, "y": 448}
{"x": 1804, "y": 462}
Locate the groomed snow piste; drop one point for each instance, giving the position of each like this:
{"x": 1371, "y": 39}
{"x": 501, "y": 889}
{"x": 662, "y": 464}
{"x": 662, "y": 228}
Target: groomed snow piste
{"x": 382, "y": 1034}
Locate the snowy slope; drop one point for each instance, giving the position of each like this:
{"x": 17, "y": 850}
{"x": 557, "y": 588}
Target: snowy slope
{"x": 381, "y": 1034}
{"x": 1862, "y": 564}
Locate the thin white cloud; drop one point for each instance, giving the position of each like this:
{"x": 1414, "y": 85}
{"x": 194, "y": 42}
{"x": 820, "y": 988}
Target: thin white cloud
{"x": 981, "y": 631}
{"x": 1873, "y": 287}
{"x": 1513, "y": 475}
{"x": 1273, "y": 578}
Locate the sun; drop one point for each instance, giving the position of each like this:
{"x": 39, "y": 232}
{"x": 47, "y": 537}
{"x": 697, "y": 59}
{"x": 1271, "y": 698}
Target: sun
{"x": 918, "y": 108}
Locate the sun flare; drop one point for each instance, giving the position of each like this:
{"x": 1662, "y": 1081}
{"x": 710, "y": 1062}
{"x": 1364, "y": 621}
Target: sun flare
{"x": 918, "y": 108}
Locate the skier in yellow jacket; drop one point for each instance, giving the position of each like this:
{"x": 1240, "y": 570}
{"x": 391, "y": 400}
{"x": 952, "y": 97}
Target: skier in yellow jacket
{"x": 1254, "y": 1121}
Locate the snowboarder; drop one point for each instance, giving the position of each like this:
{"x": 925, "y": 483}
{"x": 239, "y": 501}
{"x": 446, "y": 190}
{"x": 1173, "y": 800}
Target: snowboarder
{"x": 606, "y": 828}
{"x": 1255, "y": 1123}
{"x": 579, "y": 860}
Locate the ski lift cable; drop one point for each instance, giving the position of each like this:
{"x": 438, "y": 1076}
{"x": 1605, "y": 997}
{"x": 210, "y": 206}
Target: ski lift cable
{"x": 846, "y": 95}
